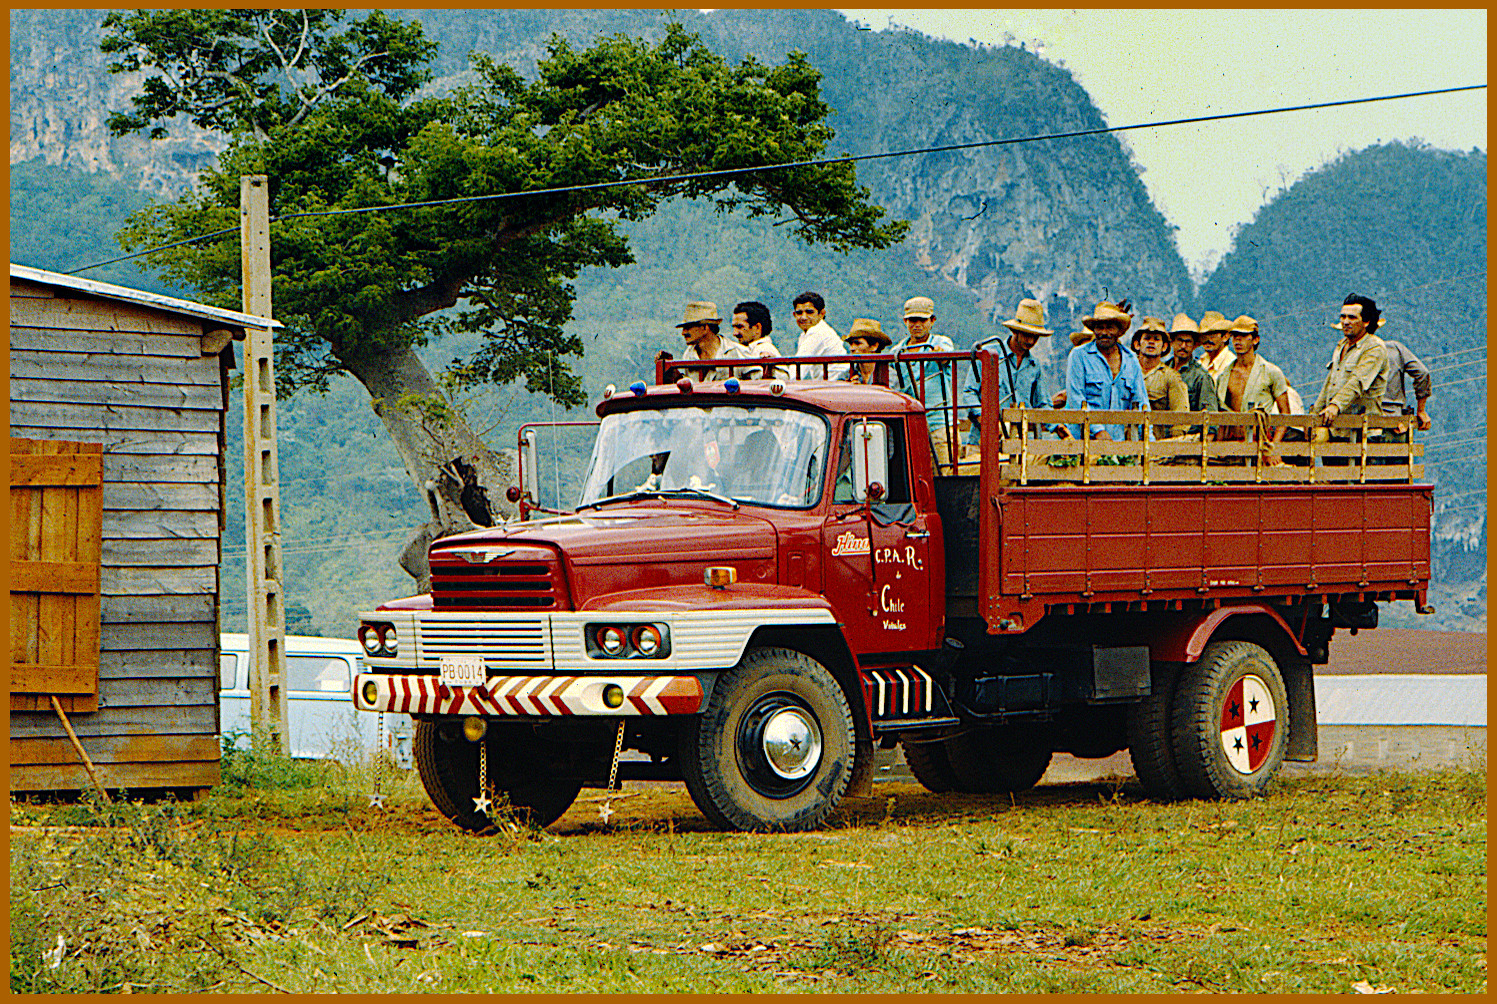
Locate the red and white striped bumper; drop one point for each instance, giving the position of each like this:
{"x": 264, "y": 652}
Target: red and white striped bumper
{"x": 528, "y": 696}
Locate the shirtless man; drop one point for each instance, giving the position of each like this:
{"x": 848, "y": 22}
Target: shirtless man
{"x": 1252, "y": 383}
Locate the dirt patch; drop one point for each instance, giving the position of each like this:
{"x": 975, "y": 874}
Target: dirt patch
{"x": 1397, "y": 650}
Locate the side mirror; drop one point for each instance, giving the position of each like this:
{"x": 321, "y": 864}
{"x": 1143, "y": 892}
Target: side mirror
{"x": 529, "y": 466}
{"x": 870, "y": 459}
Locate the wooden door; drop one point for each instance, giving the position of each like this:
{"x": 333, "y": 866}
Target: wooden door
{"x": 56, "y": 510}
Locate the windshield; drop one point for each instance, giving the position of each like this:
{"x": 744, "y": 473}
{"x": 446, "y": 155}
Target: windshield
{"x": 767, "y": 456}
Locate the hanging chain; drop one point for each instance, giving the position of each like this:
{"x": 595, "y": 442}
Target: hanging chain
{"x": 376, "y": 798}
{"x": 483, "y": 803}
{"x": 618, "y": 747}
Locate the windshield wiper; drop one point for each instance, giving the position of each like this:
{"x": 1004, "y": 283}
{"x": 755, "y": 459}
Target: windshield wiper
{"x": 660, "y": 492}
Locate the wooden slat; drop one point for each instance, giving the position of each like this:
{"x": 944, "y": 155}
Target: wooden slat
{"x": 31, "y": 471}
{"x": 193, "y": 719}
{"x": 139, "y": 693}
{"x": 110, "y": 419}
{"x": 161, "y": 468}
{"x": 160, "y": 523}
{"x": 53, "y": 577}
{"x": 109, "y": 368}
{"x": 168, "y": 638}
{"x": 71, "y": 703}
{"x": 157, "y": 609}
{"x": 31, "y": 393}
{"x": 25, "y": 340}
{"x": 115, "y": 749}
{"x": 142, "y": 496}
{"x": 77, "y": 314}
{"x": 67, "y": 777}
{"x": 158, "y": 581}
{"x": 159, "y": 441}
{"x": 160, "y": 552}
{"x": 133, "y": 663}
{"x": 53, "y": 679}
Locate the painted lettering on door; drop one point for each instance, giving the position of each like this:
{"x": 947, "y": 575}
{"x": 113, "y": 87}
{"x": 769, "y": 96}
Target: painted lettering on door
{"x": 850, "y": 543}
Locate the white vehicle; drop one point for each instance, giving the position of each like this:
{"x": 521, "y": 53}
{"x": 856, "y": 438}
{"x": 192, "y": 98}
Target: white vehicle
{"x": 319, "y": 701}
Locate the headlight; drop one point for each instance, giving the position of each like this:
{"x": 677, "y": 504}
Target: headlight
{"x": 378, "y": 640}
{"x": 370, "y": 692}
{"x": 627, "y": 641}
{"x": 387, "y": 639}
{"x": 369, "y": 638}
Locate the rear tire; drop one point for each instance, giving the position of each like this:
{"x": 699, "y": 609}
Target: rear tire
{"x": 1151, "y": 742}
{"x": 927, "y": 761}
{"x": 1231, "y": 721}
{"x": 449, "y": 773}
{"x": 773, "y": 747}
{"x": 1002, "y": 758}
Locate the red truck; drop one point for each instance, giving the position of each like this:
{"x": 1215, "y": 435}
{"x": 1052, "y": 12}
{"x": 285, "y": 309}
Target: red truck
{"x": 763, "y": 581}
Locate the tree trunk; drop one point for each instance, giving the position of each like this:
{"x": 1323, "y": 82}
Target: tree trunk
{"x": 426, "y": 442}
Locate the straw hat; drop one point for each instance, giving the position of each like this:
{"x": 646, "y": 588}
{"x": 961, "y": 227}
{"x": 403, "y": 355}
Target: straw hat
{"x": 1079, "y": 338}
{"x": 919, "y": 306}
{"x": 1244, "y": 325}
{"x": 1153, "y": 324}
{"x": 1107, "y": 312}
{"x": 1183, "y": 323}
{"x": 700, "y": 312}
{"x": 1382, "y": 323}
{"x": 863, "y": 327}
{"x": 1029, "y": 319}
{"x": 1214, "y": 320}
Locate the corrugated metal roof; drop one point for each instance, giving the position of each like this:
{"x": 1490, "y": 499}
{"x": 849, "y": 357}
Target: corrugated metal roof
{"x": 1402, "y": 699}
{"x": 140, "y": 296}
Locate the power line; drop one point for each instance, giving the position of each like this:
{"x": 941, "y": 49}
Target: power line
{"x": 847, "y": 159}
{"x": 1457, "y": 383}
{"x": 1459, "y": 352}
{"x": 1478, "y": 361}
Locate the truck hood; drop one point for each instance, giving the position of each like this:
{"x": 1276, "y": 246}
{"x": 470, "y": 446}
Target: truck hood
{"x": 647, "y": 533}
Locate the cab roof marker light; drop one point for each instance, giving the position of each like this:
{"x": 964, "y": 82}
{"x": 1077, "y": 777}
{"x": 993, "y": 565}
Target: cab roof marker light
{"x": 777, "y": 387}
{"x": 684, "y": 385}
{"x": 609, "y": 391}
{"x": 731, "y": 385}
{"x": 638, "y": 387}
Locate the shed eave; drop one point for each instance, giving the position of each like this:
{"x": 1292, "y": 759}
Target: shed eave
{"x": 140, "y": 296}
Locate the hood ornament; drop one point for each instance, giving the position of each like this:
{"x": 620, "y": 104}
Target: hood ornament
{"x": 479, "y": 555}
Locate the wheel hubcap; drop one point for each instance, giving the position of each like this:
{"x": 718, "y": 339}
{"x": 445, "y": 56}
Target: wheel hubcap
{"x": 779, "y": 745}
{"x": 1248, "y": 722}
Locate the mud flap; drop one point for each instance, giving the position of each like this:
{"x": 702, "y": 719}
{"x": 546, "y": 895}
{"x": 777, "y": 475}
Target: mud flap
{"x": 860, "y": 785}
{"x": 1304, "y": 733}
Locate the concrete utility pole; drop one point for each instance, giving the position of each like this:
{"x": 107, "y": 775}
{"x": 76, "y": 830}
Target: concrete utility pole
{"x": 265, "y": 598}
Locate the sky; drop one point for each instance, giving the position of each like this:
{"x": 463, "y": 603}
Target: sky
{"x": 1209, "y": 179}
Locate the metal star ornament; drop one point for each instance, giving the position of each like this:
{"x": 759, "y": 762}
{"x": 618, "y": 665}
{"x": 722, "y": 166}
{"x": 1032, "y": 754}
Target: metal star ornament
{"x": 605, "y": 811}
{"x": 482, "y": 803}
{"x": 376, "y": 801}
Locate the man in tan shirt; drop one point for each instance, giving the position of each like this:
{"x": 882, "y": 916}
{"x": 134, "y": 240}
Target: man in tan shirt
{"x": 1359, "y": 366}
{"x": 1167, "y": 392}
{"x": 1215, "y": 330}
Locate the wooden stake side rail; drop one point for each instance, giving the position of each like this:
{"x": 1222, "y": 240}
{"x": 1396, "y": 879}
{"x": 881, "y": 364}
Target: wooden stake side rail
{"x": 1202, "y": 456}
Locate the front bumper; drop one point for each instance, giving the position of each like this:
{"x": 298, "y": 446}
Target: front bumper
{"x": 529, "y": 696}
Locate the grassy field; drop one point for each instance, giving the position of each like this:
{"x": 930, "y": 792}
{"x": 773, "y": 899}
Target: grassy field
{"x": 286, "y": 879}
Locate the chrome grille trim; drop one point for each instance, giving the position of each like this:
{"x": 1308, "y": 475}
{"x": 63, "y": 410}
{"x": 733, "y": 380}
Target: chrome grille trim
{"x": 505, "y": 641}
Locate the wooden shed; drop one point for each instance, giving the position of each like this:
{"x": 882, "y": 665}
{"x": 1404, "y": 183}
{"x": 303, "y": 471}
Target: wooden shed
{"x": 117, "y": 408}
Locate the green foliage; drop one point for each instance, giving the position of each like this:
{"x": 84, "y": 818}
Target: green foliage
{"x": 356, "y": 290}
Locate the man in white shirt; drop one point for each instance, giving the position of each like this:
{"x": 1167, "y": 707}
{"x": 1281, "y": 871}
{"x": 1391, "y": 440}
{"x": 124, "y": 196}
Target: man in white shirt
{"x": 817, "y": 338}
{"x": 751, "y": 326}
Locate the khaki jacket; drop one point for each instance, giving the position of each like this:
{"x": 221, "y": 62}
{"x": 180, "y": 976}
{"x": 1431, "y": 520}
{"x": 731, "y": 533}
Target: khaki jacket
{"x": 1357, "y": 378}
{"x": 1167, "y": 392}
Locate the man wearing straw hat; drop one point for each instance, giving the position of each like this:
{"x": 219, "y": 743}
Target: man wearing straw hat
{"x": 865, "y": 337}
{"x": 1252, "y": 383}
{"x": 1185, "y": 335}
{"x": 1018, "y": 374}
{"x": 1215, "y": 330}
{"x": 1103, "y": 374}
{"x": 700, "y": 328}
{"x": 1166, "y": 390}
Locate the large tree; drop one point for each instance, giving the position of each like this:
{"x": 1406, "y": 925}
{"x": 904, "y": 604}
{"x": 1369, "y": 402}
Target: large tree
{"x": 333, "y": 113}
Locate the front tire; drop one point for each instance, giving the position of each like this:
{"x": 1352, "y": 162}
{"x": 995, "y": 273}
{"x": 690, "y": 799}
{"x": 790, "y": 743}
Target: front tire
{"x": 928, "y": 762}
{"x": 1231, "y": 721}
{"x": 773, "y": 747}
{"x": 448, "y": 769}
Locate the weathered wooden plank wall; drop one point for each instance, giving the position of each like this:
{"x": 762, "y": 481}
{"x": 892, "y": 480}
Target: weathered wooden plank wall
{"x": 135, "y": 379}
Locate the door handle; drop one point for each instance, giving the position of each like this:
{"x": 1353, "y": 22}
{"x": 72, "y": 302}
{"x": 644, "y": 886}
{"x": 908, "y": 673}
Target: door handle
{"x": 916, "y": 534}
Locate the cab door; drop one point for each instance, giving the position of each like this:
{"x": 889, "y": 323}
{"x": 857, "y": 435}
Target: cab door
{"x": 876, "y": 569}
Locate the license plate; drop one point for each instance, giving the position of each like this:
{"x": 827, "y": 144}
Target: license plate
{"x": 463, "y": 670}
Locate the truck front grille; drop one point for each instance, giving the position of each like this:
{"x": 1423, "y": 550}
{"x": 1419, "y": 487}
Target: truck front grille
{"x": 510, "y": 643}
{"x": 496, "y": 585}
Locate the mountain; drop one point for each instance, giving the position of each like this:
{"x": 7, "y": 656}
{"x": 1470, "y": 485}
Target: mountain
{"x": 1068, "y": 222}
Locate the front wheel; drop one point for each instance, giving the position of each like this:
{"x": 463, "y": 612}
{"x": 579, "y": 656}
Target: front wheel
{"x": 1231, "y": 721}
{"x": 987, "y": 759}
{"x": 773, "y": 747}
{"x": 517, "y": 775}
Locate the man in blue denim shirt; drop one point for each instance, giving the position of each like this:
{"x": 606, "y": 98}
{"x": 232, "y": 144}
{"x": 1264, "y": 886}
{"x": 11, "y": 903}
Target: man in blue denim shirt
{"x": 1018, "y": 373}
{"x": 1103, "y": 373}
